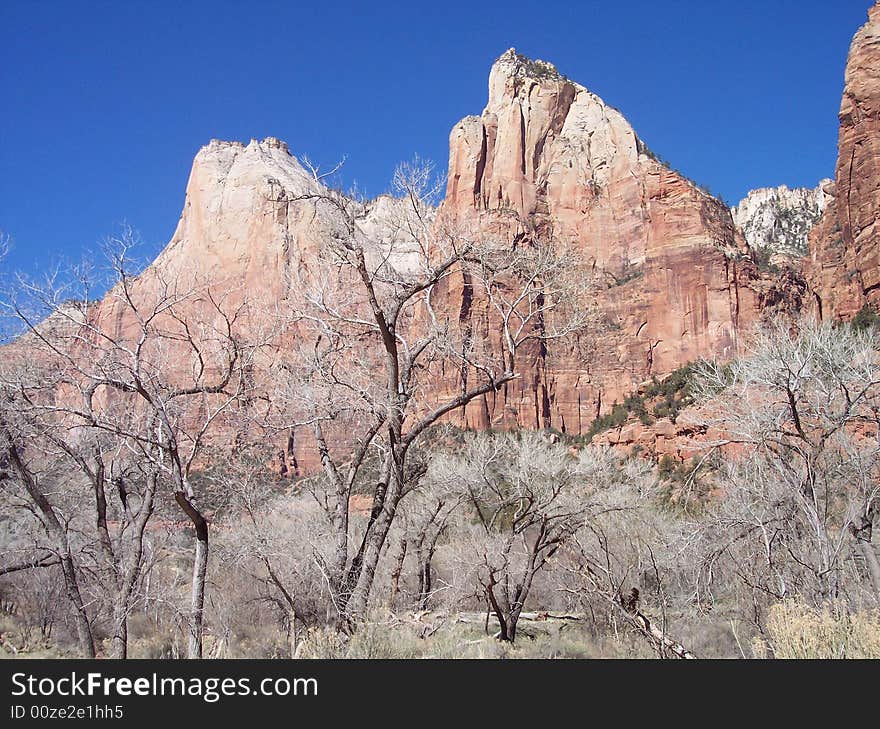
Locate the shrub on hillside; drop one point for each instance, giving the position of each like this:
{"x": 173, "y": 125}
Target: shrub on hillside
{"x": 866, "y": 318}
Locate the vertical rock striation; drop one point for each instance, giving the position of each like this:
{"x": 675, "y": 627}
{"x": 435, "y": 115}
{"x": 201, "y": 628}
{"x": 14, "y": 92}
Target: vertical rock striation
{"x": 549, "y": 157}
{"x": 844, "y": 266}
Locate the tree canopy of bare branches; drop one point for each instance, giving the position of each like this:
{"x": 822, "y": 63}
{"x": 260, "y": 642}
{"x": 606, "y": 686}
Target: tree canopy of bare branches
{"x": 373, "y": 341}
{"x": 125, "y": 395}
{"x": 799, "y": 415}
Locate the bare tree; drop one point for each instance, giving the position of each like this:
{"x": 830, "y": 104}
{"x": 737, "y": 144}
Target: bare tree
{"x": 271, "y": 536}
{"x": 429, "y": 516}
{"x": 624, "y": 555}
{"x": 800, "y": 420}
{"x": 26, "y": 473}
{"x": 368, "y": 305}
{"x": 528, "y": 498}
{"x": 139, "y": 384}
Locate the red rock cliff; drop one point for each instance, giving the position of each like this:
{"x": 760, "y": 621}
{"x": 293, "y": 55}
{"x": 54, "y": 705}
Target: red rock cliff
{"x": 844, "y": 267}
{"x": 548, "y": 155}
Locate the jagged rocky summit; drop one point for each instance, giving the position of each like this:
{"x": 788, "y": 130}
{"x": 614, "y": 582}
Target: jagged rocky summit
{"x": 777, "y": 220}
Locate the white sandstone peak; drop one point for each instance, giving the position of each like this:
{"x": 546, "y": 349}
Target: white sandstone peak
{"x": 778, "y": 219}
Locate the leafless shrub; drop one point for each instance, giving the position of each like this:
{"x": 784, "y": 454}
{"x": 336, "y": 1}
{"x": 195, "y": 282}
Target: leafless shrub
{"x": 799, "y": 489}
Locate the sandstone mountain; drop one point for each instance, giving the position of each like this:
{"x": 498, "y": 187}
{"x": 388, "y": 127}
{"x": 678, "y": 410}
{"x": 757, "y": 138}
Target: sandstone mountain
{"x": 548, "y": 155}
{"x": 677, "y": 271}
{"x": 239, "y": 222}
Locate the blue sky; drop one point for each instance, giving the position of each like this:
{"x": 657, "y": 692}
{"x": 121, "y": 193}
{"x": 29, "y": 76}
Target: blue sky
{"x": 106, "y": 103}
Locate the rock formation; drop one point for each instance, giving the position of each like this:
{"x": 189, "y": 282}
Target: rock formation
{"x": 240, "y": 221}
{"x": 776, "y": 221}
{"x": 549, "y": 156}
{"x": 844, "y": 267}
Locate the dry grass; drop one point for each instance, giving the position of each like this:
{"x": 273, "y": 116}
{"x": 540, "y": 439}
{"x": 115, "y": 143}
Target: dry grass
{"x": 457, "y": 640}
{"x": 798, "y": 631}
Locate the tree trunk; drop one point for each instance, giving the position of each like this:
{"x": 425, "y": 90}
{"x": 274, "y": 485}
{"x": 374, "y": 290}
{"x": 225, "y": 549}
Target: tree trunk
{"x": 130, "y": 572}
{"x": 106, "y": 543}
{"x": 360, "y": 595}
{"x": 426, "y": 576}
{"x": 200, "y": 569}
{"x": 398, "y": 570}
{"x": 292, "y": 637}
{"x": 81, "y": 619}
{"x": 197, "y": 606}
{"x": 363, "y": 568}
{"x": 513, "y": 622}
{"x": 863, "y": 530}
{"x": 657, "y": 636}
{"x": 119, "y": 639}
{"x": 870, "y": 556}
{"x": 424, "y": 583}
{"x": 504, "y": 632}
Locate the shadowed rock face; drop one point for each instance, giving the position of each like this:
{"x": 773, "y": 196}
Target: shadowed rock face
{"x": 844, "y": 267}
{"x": 549, "y": 156}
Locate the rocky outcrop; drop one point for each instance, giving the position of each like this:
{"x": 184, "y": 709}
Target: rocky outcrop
{"x": 844, "y": 266}
{"x": 776, "y": 221}
{"x": 547, "y": 157}
{"x": 250, "y": 224}
{"x": 241, "y": 221}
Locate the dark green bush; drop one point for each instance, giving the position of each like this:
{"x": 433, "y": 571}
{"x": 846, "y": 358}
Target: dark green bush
{"x": 618, "y": 416}
{"x": 866, "y": 318}
{"x": 675, "y": 391}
